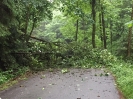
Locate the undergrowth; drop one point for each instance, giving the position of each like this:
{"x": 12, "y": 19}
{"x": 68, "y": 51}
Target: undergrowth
{"x": 8, "y": 75}
{"x": 123, "y": 72}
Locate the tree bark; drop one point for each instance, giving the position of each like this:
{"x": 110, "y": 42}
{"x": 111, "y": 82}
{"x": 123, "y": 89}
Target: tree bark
{"x": 77, "y": 26}
{"x": 104, "y": 32}
{"x": 26, "y": 21}
{"x": 84, "y": 27}
{"x": 100, "y": 24}
{"x": 94, "y": 23}
{"x": 111, "y": 35}
{"x": 33, "y": 26}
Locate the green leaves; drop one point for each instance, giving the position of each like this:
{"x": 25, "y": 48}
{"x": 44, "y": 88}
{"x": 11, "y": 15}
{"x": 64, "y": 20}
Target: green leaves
{"x": 74, "y": 8}
{"x": 129, "y": 24}
{"x": 3, "y": 30}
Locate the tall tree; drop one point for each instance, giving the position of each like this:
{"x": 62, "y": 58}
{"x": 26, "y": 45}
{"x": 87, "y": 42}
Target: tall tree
{"x": 100, "y": 24}
{"x": 94, "y": 22}
{"x": 111, "y": 34}
{"x": 103, "y": 27}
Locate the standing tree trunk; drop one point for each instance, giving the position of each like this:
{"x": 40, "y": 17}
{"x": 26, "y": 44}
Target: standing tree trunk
{"x": 103, "y": 26}
{"x": 100, "y": 24}
{"x": 26, "y": 21}
{"x": 77, "y": 26}
{"x": 84, "y": 27}
{"x": 94, "y": 23}
{"x": 32, "y": 28}
{"x": 130, "y": 37}
{"x": 111, "y": 35}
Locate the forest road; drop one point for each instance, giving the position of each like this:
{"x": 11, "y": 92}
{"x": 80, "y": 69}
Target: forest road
{"x": 75, "y": 84}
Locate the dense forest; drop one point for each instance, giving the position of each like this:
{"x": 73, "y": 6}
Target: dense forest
{"x": 40, "y": 34}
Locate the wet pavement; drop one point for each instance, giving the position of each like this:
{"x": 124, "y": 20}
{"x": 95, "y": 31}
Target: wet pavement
{"x": 75, "y": 84}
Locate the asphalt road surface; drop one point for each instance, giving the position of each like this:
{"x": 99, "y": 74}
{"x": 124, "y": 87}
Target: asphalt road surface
{"x": 75, "y": 84}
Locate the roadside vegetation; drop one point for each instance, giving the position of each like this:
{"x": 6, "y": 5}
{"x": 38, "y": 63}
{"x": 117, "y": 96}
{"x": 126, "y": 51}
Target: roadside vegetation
{"x": 36, "y": 35}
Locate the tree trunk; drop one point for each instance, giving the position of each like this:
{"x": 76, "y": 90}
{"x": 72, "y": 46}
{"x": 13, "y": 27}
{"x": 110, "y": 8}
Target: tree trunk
{"x": 111, "y": 35}
{"x": 84, "y": 28}
{"x": 77, "y": 26}
{"x": 103, "y": 26}
{"x": 100, "y": 24}
{"x": 33, "y": 26}
{"x": 130, "y": 37}
{"x": 94, "y": 23}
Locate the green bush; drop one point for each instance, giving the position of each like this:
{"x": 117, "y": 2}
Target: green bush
{"x": 13, "y": 72}
{"x": 5, "y": 76}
